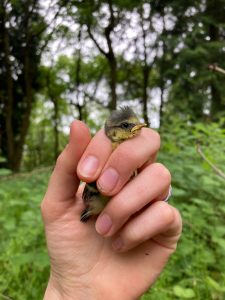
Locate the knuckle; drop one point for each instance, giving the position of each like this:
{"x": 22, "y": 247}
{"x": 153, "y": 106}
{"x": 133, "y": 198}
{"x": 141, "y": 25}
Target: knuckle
{"x": 60, "y": 160}
{"x": 46, "y": 210}
{"x": 122, "y": 155}
{"x": 131, "y": 235}
{"x": 177, "y": 219}
{"x": 162, "y": 172}
{"x": 167, "y": 212}
{"x": 43, "y": 208}
{"x": 154, "y": 136}
{"x": 157, "y": 139}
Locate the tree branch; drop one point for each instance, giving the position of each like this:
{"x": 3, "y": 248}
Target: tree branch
{"x": 110, "y": 27}
{"x": 51, "y": 22}
{"x": 95, "y": 41}
{"x": 5, "y": 297}
{"x": 45, "y": 26}
{"x": 214, "y": 67}
{"x": 215, "y": 168}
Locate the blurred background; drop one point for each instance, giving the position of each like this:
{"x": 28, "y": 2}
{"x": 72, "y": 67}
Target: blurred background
{"x": 64, "y": 60}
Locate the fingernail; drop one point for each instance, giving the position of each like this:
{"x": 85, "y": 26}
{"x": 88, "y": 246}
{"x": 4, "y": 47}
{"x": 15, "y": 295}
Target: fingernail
{"x": 117, "y": 244}
{"x": 89, "y": 166}
{"x": 108, "y": 180}
{"x": 103, "y": 224}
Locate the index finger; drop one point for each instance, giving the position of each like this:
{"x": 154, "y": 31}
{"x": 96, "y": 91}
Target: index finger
{"x": 94, "y": 157}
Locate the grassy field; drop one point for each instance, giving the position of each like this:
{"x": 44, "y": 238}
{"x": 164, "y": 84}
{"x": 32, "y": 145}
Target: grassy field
{"x": 23, "y": 258}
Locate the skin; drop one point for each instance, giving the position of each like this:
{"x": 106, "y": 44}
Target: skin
{"x": 91, "y": 261}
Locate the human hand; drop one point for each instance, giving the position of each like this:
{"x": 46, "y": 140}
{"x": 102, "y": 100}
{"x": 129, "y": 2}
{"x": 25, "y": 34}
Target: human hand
{"x": 120, "y": 255}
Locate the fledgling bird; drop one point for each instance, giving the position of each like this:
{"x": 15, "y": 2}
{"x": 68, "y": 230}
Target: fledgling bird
{"x": 121, "y": 125}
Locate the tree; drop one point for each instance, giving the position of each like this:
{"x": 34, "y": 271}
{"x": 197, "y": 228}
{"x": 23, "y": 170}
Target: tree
{"x": 21, "y": 28}
{"x": 193, "y": 38}
{"x": 23, "y": 38}
{"x": 89, "y": 14}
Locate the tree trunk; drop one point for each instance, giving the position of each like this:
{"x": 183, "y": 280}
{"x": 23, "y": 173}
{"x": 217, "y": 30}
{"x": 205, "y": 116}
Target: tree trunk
{"x": 145, "y": 71}
{"x": 78, "y": 73}
{"x": 9, "y": 95}
{"x": 16, "y": 162}
{"x": 111, "y": 58}
{"x": 80, "y": 112}
{"x": 113, "y": 80}
{"x": 162, "y": 88}
{"x": 161, "y": 70}
{"x": 28, "y": 98}
{"x": 145, "y": 94}
{"x": 217, "y": 105}
{"x": 217, "y": 101}
{"x": 56, "y": 128}
{"x": 109, "y": 55}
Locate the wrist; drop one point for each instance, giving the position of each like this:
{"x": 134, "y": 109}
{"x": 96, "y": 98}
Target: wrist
{"x": 52, "y": 292}
{"x": 56, "y": 291}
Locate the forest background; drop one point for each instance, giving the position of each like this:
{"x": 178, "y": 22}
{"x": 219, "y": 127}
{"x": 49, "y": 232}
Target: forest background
{"x": 61, "y": 60}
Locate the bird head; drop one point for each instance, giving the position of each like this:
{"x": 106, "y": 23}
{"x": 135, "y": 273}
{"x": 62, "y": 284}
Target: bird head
{"x": 122, "y": 124}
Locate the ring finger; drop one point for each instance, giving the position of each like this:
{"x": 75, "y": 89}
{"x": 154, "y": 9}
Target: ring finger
{"x": 159, "y": 222}
{"x": 152, "y": 183}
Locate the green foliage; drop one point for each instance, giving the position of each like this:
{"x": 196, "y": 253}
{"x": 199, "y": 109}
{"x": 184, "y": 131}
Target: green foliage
{"x": 24, "y": 261}
{"x": 196, "y": 271}
{"x": 92, "y": 70}
{"x": 193, "y": 42}
{"x": 40, "y": 141}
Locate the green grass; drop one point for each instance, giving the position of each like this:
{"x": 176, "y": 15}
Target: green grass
{"x": 24, "y": 261}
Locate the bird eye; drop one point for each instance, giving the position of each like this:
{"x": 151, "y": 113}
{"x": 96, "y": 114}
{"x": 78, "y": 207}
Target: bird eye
{"x": 124, "y": 125}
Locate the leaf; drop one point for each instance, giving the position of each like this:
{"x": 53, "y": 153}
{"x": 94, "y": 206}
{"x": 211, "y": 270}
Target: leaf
{"x": 186, "y": 293}
{"x": 40, "y": 260}
{"x": 9, "y": 225}
{"x": 179, "y": 192}
{"x": 214, "y": 285}
{"x": 5, "y": 172}
{"x": 222, "y": 208}
{"x": 22, "y": 259}
{"x": 220, "y": 230}
{"x": 201, "y": 202}
{"x": 220, "y": 242}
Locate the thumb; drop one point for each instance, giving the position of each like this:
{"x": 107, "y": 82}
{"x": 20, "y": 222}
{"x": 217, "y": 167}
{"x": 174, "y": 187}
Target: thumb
{"x": 64, "y": 182}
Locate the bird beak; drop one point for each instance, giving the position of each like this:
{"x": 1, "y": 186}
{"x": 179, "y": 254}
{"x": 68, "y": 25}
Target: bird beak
{"x": 138, "y": 127}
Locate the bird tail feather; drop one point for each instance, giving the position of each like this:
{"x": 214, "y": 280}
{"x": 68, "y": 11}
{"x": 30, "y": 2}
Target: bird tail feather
{"x": 85, "y": 215}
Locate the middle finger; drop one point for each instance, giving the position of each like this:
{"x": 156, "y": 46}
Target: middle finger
{"x": 126, "y": 159}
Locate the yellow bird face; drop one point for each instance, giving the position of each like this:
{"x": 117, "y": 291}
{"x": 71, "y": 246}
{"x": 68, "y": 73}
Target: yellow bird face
{"x": 122, "y": 124}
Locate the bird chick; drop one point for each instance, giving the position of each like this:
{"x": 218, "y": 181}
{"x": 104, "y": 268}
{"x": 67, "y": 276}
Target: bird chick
{"x": 121, "y": 125}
